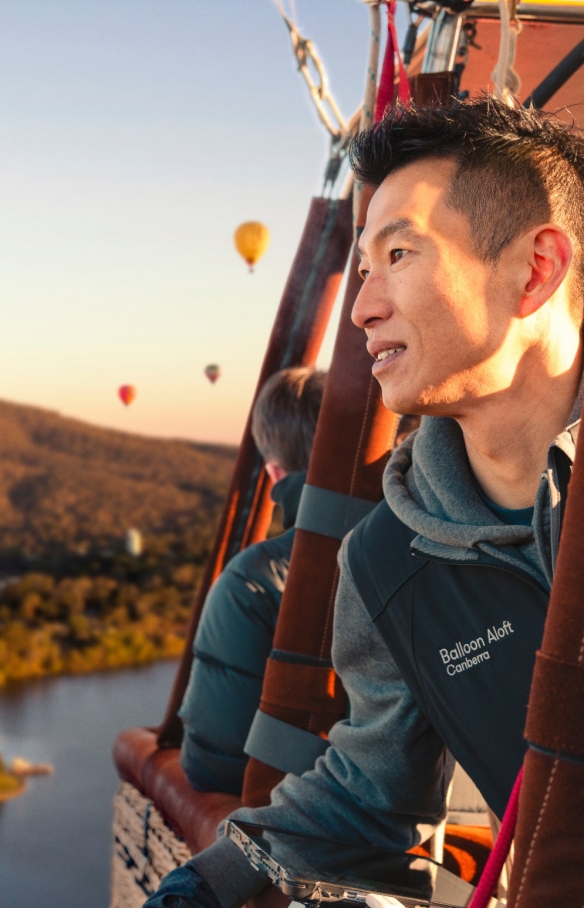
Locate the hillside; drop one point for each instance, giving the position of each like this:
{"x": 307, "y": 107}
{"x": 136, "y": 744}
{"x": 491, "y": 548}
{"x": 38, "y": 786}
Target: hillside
{"x": 67, "y": 485}
{"x": 71, "y": 598}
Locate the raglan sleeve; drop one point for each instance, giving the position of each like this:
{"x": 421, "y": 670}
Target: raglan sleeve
{"x": 382, "y": 781}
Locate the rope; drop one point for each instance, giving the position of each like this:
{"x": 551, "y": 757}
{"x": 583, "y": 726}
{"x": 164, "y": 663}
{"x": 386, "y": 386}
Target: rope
{"x": 501, "y": 848}
{"x": 507, "y": 82}
{"x": 305, "y": 53}
{"x": 368, "y": 109}
{"x": 327, "y": 109}
{"x": 367, "y": 112}
{"x": 375, "y": 102}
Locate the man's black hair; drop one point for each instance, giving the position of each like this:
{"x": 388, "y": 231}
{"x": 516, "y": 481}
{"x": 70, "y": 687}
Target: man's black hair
{"x": 516, "y": 167}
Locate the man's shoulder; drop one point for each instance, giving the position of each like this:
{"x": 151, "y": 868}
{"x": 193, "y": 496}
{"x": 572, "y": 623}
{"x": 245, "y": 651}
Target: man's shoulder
{"x": 381, "y": 533}
{"x": 379, "y": 556}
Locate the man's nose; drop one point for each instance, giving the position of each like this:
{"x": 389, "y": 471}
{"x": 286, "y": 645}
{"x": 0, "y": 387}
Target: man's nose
{"x": 370, "y": 306}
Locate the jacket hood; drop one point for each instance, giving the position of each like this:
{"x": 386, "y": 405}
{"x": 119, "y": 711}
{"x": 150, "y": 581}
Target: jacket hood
{"x": 429, "y": 485}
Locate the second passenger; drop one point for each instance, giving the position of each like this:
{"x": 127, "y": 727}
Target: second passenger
{"x": 234, "y": 638}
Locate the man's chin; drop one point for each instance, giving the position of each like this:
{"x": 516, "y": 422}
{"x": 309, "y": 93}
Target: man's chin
{"x": 399, "y": 403}
{"x": 419, "y": 403}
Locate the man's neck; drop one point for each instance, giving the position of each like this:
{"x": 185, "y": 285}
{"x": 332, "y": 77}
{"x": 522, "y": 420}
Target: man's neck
{"x": 508, "y": 436}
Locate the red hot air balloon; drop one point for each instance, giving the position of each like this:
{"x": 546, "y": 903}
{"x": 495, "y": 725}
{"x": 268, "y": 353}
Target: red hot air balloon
{"x": 127, "y": 393}
{"x": 213, "y": 372}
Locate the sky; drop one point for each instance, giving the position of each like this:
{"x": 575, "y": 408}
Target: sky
{"x": 135, "y": 135}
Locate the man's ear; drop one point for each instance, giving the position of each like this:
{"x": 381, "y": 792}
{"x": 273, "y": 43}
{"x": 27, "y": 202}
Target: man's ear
{"x": 550, "y": 255}
{"x": 275, "y": 471}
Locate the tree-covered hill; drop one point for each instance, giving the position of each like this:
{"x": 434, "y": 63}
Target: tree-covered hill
{"x": 71, "y": 598}
{"x": 67, "y": 485}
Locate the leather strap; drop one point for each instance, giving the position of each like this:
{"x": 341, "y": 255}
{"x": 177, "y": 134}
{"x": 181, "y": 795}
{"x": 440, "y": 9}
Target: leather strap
{"x": 314, "y": 688}
{"x": 330, "y": 513}
{"x": 557, "y": 694}
{"x": 283, "y": 746}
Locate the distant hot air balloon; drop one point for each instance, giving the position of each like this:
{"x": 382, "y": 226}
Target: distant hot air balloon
{"x": 213, "y": 372}
{"x": 133, "y": 542}
{"x": 251, "y": 241}
{"x": 127, "y": 393}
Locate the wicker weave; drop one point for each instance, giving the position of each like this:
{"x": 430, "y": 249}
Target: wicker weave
{"x": 145, "y": 849}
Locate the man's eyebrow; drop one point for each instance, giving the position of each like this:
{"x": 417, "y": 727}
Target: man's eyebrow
{"x": 395, "y": 226}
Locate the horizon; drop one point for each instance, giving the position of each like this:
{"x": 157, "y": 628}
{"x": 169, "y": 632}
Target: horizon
{"x": 122, "y": 431}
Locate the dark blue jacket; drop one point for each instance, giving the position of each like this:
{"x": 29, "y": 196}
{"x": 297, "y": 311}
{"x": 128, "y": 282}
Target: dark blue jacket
{"x": 464, "y": 636}
{"x": 233, "y": 642}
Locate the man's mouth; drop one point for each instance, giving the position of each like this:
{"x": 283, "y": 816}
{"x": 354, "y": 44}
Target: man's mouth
{"x": 385, "y": 357}
{"x": 384, "y": 352}
{"x": 391, "y": 351}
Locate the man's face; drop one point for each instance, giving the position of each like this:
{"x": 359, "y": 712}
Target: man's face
{"x": 434, "y": 314}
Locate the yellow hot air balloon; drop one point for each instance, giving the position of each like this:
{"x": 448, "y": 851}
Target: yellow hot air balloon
{"x": 251, "y": 241}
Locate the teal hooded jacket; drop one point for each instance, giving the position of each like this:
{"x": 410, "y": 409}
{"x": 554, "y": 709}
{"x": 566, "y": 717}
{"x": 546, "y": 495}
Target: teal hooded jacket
{"x": 232, "y": 644}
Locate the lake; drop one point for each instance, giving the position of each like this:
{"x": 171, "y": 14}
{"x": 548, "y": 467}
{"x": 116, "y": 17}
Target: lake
{"x": 55, "y": 840}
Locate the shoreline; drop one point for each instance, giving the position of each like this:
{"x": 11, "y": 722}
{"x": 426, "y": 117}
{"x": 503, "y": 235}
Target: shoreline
{"x": 7, "y": 684}
{"x": 94, "y": 659}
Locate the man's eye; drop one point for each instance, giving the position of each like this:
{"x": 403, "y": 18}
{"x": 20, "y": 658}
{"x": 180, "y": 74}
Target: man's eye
{"x": 396, "y": 255}
{"x": 364, "y": 274}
